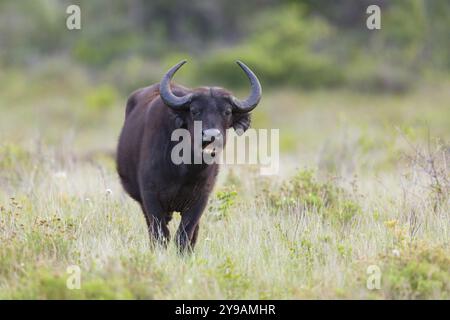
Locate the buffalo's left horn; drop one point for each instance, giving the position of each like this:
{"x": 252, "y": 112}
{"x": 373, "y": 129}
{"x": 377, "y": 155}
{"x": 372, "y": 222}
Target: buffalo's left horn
{"x": 166, "y": 93}
{"x": 252, "y": 101}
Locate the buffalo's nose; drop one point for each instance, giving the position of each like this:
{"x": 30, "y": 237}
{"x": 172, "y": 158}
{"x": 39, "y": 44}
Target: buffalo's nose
{"x": 211, "y": 135}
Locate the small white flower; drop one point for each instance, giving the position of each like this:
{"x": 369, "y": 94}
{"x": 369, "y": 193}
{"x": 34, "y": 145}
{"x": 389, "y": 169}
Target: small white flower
{"x": 60, "y": 175}
{"x": 189, "y": 281}
{"x": 87, "y": 200}
{"x": 396, "y": 253}
{"x": 108, "y": 191}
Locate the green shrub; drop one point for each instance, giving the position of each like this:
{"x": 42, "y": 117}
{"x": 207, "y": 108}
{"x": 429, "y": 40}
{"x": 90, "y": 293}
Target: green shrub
{"x": 305, "y": 191}
{"x": 222, "y": 202}
{"x": 417, "y": 271}
{"x": 281, "y": 51}
{"x": 347, "y": 210}
{"x": 44, "y": 283}
{"x": 100, "y": 98}
{"x": 88, "y": 51}
{"x": 231, "y": 281}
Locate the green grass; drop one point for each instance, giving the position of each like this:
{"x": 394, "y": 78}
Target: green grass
{"x": 348, "y": 196}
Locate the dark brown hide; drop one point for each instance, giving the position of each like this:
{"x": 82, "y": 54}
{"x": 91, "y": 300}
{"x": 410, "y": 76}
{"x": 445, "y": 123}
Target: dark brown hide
{"x": 144, "y": 160}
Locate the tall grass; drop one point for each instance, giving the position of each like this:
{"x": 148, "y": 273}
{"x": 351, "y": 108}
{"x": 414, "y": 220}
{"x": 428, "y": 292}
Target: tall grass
{"x": 355, "y": 191}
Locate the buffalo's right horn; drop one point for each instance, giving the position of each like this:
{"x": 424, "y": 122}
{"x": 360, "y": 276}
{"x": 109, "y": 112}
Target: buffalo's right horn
{"x": 166, "y": 93}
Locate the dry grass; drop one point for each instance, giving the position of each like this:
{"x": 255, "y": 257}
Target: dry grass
{"x": 370, "y": 198}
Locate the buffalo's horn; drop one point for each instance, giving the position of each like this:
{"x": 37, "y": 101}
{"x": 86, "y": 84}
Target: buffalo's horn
{"x": 252, "y": 101}
{"x": 166, "y": 94}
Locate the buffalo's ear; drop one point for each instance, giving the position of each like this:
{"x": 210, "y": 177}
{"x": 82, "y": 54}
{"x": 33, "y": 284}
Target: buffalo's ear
{"x": 241, "y": 122}
{"x": 179, "y": 121}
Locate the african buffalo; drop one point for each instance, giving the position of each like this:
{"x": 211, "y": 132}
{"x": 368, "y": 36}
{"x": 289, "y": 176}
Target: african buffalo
{"x": 144, "y": 162}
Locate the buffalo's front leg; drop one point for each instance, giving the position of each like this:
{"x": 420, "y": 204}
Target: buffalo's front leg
{"x": 195, "y": 235}
{"x": 188, "y": 230}
{"x": 156, "y": 219}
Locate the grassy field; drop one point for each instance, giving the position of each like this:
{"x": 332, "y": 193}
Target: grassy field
{"x": 364, "y": 182}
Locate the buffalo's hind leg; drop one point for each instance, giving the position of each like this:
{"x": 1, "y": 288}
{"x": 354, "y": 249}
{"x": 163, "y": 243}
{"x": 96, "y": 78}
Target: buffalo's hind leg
{"x": 156, "y": 219}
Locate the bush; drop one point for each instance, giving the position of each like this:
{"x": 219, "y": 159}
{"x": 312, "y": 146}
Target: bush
{"x": 284, "y": 50}
{"x": 418, "y": 271}
{"x": 305, "y": 191}
{"x": 223, "y": 201}
{"x": 100, "y": 98}
{"x": 233, "y": 282}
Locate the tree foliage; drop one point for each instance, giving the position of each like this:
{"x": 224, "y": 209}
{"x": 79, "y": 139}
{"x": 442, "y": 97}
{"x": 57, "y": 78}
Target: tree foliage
{"x": 292, "y": 42}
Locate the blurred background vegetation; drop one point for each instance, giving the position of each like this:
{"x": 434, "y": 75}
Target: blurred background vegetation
{"x": 299, "y": 43}
{"x": 63, "y": 85}
{"x": 367, "y": 111}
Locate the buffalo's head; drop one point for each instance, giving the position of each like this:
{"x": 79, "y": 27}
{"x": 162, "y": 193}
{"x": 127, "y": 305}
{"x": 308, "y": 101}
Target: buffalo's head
{"x": 216, "y": 108}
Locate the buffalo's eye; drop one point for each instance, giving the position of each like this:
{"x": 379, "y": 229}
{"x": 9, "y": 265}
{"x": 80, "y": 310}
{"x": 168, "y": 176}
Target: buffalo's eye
{"x": 195, "y": 112}
{"x": 227, "y": 112}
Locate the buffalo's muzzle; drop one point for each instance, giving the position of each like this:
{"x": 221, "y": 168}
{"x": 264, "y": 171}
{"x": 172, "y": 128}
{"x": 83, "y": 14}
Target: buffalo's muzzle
{"x": 209, "y": 136}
